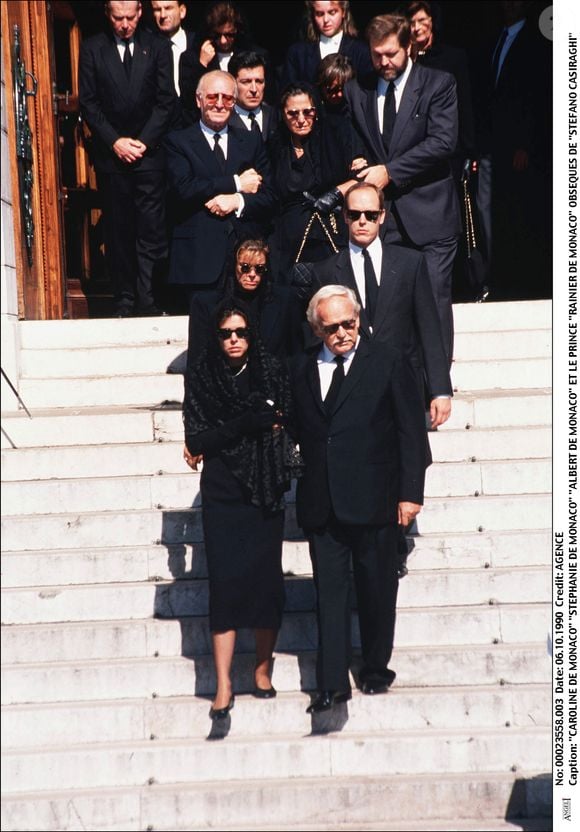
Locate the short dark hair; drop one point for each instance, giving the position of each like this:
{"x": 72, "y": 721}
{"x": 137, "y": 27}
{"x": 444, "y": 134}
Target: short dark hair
{"x": 297, "y": 89}
{"x": 335, "y": 69}
{"x": 245, "y": 60}
{"x": 385, "y": 25}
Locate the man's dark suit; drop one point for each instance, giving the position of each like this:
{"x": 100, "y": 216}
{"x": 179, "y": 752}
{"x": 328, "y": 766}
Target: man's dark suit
{"x": 406, "y": 316}
{"x": 421, "y": 197}
{"x": 269, "y": 121}
{"x": 201, "y": 241}
{"x": 361, "y": 460}
{"x": 114, "y": 106}
{"x": 303, "y": 60}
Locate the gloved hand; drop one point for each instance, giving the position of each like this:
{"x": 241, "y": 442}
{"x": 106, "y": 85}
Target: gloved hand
{"x": 262, "y": 416}
{"x": 326, "y": 203}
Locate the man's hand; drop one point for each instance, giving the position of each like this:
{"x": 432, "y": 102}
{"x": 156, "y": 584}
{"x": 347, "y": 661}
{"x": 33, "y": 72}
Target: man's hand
{"x": 191, "y": 460}
{"x": 223, "y": 204}
{"x": 358, "y": 164}
{"x": 407, "y": 513}
{"x": 250, "y": 181}
{"x": 129, "y": 150}
{"x": 206, "y": 53}
{"x": 439, "y": 411}
{"x": 376, "y": 175}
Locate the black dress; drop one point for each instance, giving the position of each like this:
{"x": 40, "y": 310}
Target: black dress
{"x": 243, "y": 545}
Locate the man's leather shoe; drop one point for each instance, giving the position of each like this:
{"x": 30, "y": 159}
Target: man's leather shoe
{"x": 371, "y": 688}
{"x": 124, "y": 312}
{"x": 326, "y": 699}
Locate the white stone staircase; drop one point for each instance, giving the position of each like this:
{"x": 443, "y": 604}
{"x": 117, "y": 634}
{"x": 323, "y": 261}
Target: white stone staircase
{"x": 107, "y": 674}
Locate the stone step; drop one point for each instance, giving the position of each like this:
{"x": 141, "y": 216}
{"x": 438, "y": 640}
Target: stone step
{"x": 33, "y": 605}
{"x": 80, "y": 723}
{"x": 119, "y": 563}
{"x": 503, "y": 374}
{"x": 430, "y": 751}
{"x": 102, "y": 361}
{"x": 501, "y": 622}
{"x": 179, "y": 676}
{"x": 527, "y": 476}
{"x": 405, "y": 803}
{"x": 141, "y": 458}
{"x": 115, "y": 425}
{"x": 174, "y": 526}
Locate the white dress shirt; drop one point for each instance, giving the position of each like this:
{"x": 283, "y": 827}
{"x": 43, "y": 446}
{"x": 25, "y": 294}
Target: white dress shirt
{"x": 357, "y": 262}
{"x": 209, "y": 135}
{"x": 178, "y": 47}
{"x": 327, "y": 366}
{"x": 224, "y": 59}
{"x": 245, "y": 117}
{"x": 400, "y": 84}
{"x": 330, "y": 46}
{"x": 121, "y": 46}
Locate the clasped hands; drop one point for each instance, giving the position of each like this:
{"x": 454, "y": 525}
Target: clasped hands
{"x": 129, "y": 150}
{"x": 224, "y": 204}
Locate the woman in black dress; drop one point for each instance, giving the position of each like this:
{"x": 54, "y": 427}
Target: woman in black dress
{"x": 236, "y": 406}
{"x": 276, "y": 311}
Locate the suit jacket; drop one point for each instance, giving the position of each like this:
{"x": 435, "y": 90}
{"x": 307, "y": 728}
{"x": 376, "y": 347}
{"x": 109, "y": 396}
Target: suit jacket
{"x": 424, "y": 140}
{"x": 269, "y": 121}
{"x": 113, "y": 106}
{"x": 303, "y": 60}
{"x": 369, "y": 453}
{"x": 201, "y": 241}
{"x": 406, "y": 316}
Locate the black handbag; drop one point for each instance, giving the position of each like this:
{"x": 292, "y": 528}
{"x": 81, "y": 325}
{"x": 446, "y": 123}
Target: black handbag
{"x": 476, "y": 264}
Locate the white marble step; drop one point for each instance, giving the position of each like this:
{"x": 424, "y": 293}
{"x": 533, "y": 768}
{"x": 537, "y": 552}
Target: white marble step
{"x": 119, "y": 564}
{"x": 502, "y": 374}
{"x": 422, "y": 667}
{"x": 405, "y": 803}
{"x": 79, "y": 723}
{"x": 140, "y": 458}
{"x": 82, "y": 640}
{"x": 173, "y": 526}
{"x": 527, "y": 476}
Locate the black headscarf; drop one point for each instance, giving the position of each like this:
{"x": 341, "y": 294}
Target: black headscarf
{"x": 262, "y": 462}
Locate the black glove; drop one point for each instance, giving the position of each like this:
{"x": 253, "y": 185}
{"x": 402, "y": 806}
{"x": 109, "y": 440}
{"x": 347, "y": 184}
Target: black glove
{"x": 326, "y": 203}
{"x": 261, "y": 417}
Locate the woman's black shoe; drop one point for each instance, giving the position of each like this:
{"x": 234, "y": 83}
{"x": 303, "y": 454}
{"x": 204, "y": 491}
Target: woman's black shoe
{"x": 221, "y": 713}
{"x": 265, "y": 693}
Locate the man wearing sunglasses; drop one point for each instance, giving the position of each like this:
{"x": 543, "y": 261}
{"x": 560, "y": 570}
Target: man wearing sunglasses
{"x": 393, "y": 288}
{"x": 361, "y": 431}
{"x": 407, "y": 120}
{"x": 219, "y": 187}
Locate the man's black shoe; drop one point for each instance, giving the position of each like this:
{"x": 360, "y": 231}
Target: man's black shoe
{"x": 124, "y": 312}
{"x": 373, "y": 682}
{"x": 326, "y": 699}
{"x": 371, "y": 688}
{"x": 151, "y": 312}
{"x": 482, "y": 295}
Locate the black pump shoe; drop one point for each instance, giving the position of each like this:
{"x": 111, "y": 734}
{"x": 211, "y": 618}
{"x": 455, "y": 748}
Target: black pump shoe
{"x": 221, "y": 713}
{"x": 264, "y": 693}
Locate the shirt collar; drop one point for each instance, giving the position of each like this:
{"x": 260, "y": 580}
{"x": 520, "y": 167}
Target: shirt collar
{"x": 243, "y": 112}
{"x": 180, "y": 38}
{"x": 515, "y": 28}
{"x": 325, "y": 356}
{"x": 355, "y": 249}
{"x": 402, "y": 79}
{"x": 209, "y": 131}
{"x": 333, "y": 41}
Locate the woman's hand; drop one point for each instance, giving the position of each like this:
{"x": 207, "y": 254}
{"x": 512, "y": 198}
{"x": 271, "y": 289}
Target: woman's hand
{"x": 192, "y": 461}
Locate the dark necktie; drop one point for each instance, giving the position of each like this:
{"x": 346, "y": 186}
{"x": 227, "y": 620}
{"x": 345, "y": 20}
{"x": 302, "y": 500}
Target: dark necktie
{"x": 127, "y": 58}
{"x": 335, "y": 384}
{"x": 389, "y": 116}
{"x": 371, "y": 287}
{"x": 254, "y": 126}
{"x": 219, "y": 154}
{"x": 496, "y": 56}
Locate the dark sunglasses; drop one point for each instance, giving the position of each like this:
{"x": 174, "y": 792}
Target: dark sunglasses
{"x": 240, "y": 331}
{"x": 371, "y": 216}
{"x": 213, "y": 98}
{"x": 332, "y": 328}
{"x": 246, "y": 268}
{"x": 309, "y": 112}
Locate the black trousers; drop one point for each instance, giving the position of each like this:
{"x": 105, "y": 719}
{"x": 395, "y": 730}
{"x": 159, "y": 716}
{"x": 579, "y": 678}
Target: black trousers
{"x": 373, "y": 550}
{"x": 134, "y": 231}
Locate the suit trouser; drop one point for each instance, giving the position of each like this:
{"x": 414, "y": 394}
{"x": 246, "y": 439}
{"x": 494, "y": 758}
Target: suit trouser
{"x": 134, "y": 231}
{"x": 374, "y": 561}
{"x": 439, "y": 258}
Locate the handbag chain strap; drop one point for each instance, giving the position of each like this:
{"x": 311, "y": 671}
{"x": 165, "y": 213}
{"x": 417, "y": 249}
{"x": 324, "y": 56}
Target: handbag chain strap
{"x": 469, "y": 224}
{"x": 316, "y": 216}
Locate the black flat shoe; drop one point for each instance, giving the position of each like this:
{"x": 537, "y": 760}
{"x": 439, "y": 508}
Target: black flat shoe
{"x": 372, "y": 688}
{"x": 326, "y": 699}
{"x": 264, "y": 693}
{"x": 221, "y": 713}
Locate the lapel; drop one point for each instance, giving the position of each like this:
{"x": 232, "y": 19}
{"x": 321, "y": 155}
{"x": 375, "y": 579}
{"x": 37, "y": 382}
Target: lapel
{"x": 202, "y": 149}
{"x": 345, "y": 276}
{"x": 112, "y": 60}
{"x": 406, "y": 106}
{"x": 357, "y": 369}
{"x": 313, "y": 380}
{"x": 387, "y": 290}
{"x": 141, "y": 58}
{"x": 235, "y": 141}
{"x": 371, "y": 120}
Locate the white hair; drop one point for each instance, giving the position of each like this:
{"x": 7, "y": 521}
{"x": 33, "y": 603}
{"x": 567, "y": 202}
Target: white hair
{"x": 215, "y": 73}
{"x": 331, "y": 291}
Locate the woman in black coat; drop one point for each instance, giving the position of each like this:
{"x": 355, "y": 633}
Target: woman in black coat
{"x": 236, "y": 406}
{"x": 330, "y": 30}
{"x": 276, "y": 311}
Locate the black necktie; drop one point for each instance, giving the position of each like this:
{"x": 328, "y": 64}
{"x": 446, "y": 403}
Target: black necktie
{"x": 496, "y": 56}
{"x": 335, "y": 384}
{"x": 254, "y": 126}
{"x": 127, "y": 58}
{"x": 371, "y": 287}
{"x": 389, "y": 116}
{"x": 219, "y": 154}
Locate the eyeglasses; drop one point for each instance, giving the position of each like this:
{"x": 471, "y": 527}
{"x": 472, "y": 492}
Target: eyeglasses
{"x": 371, "y": 216}
{"x": 240, "y": 332}
{"x": 332, "y": 328}
{"x": 213, "y": 98}
{"x": 309, "y": 112}
{"x": 226, "y": 35}
{"x": 246, "y": 268}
